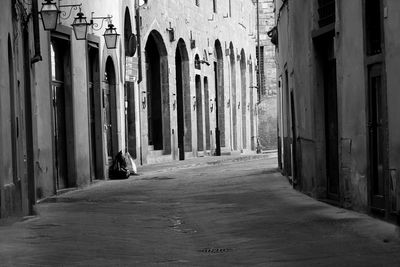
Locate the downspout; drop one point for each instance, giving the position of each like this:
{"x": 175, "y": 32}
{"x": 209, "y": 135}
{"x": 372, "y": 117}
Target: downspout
{"x": 139, "y": 55}
{"x": 36, "y": 35}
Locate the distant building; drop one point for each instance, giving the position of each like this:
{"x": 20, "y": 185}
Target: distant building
{"x": 267, "y": 90}
{"x": 197, "y": 94}
{"x": 338, "y": 77}
{"x": 267, "y": 64}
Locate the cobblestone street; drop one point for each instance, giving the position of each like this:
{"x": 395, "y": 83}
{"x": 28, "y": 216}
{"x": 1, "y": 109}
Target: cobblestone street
{"x": 216, "y": 213}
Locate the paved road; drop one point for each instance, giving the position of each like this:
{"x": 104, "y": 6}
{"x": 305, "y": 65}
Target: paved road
{"x": 228, "y": 214}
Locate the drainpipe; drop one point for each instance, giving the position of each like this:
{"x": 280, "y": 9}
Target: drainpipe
{"x": 139, "y": 55}
{"x": 36, "y": 35}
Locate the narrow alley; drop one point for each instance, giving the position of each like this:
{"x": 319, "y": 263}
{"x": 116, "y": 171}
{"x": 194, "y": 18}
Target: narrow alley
{"x": 215, "y": 212}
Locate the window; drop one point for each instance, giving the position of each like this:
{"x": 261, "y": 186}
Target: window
{"x": 197, "y": 2}
{"x": 373, "y": 24}
{"x": 197, "y": 62}
{"x": 326, "y": 12}
{"x": 215, "y": 6}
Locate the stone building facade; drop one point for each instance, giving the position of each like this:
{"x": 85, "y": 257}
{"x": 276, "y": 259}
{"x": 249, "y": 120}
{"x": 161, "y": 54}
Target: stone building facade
{"x": 198, "y": 70}
{"x": 62, "y": 100}
{"x": 179, "y": 84}
{"x": 337, "y": 72}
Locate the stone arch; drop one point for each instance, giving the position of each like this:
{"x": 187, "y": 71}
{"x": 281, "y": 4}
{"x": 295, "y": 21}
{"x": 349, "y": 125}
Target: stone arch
{"x": 110, "y": 109}
{"x": 158, "y": 111}
{"x": 251, "y": 110}
{"x": 244, "y": 97}
{"x": 219, "y": 98}
{"x": 233, "y": 94}
{"x": 184, "y": 102}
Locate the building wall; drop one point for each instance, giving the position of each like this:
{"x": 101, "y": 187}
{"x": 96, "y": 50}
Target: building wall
{"x": 298, "y": 53}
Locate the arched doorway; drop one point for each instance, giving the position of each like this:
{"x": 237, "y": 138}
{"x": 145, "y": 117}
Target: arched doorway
{"x": 244, "y": 98}
{"x": 158, "y": 113}
{"x": 62, "y": 117}
{"x": 199, "y": 112}
{"x": 183, "y": 99}
{"x": 233, "y": 95}
{"x": 130, "y": 49}
{"x": 207, "y": 113}
{"x": 253, "y": 139}
{"x": 219, "y": 99}
{"x": 110, "y": 110}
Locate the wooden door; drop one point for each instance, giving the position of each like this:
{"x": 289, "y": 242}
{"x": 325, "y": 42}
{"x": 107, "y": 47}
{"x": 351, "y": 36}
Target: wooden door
{"x": 331, "y": 129}
{"x": 59, "y": 130}
{"x": 376, "y": 137}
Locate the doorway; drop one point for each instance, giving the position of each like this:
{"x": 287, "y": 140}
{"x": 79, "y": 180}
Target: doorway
{"x": 294, "y": 138}
{"x": 94, "y": 89}
{"x": 244, "y": 98}
{"x": 376, "y": 137}
{"x": 61, "y": 84}
{"x": 233, "y": 103}
{"x": 183, "y": 100}
{"x": 110, "y": 111}
{"x": 199, "y": 112}
{"x": 331, "y": 129}
{"x": 158, "y": 106}
{"x": 219, "y": 99}
{"x": 207, "y": 101}
{"x": 251, "y": 110}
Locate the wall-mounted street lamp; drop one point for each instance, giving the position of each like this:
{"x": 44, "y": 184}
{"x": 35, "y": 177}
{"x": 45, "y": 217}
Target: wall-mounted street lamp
{"x": 144, "y": 102}
{"x": 49, "y": 13}
{"x": 111, "y": 36}
{"x": 194, "y": 102}
{"x": 174, "y": 101}
{"x": 80, "y": 26}
{"x": 171, "y": 33}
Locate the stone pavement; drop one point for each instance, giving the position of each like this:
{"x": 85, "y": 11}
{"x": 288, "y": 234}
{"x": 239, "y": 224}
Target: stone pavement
{"x": 231, "y": 213}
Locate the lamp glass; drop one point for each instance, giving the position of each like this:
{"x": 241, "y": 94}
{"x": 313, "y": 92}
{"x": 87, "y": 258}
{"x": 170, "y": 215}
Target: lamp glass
{"x": 49, "y": 13}
{"x": 80, "y": 27}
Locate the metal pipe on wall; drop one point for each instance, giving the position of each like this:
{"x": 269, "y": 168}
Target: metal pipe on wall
{"x": 36, "y": 35}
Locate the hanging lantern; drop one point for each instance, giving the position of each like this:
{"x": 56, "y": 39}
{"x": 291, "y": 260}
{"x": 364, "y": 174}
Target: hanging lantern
{"x": 80, "y": 26}
{"x": 111, "y": 37}
{"x": 49, "y": 13}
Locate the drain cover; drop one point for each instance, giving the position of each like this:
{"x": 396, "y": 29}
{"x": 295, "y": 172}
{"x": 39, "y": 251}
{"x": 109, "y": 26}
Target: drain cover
{"x": 215, "y": 250}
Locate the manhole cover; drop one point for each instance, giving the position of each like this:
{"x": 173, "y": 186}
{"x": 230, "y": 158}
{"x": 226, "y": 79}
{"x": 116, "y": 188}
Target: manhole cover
{"x": 215, "y": 250}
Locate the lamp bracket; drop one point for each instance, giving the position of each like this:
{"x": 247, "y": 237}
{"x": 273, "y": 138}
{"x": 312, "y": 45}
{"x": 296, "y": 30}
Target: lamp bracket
{"x": 95, "y": 25}
{"x": 67, "y": 14}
